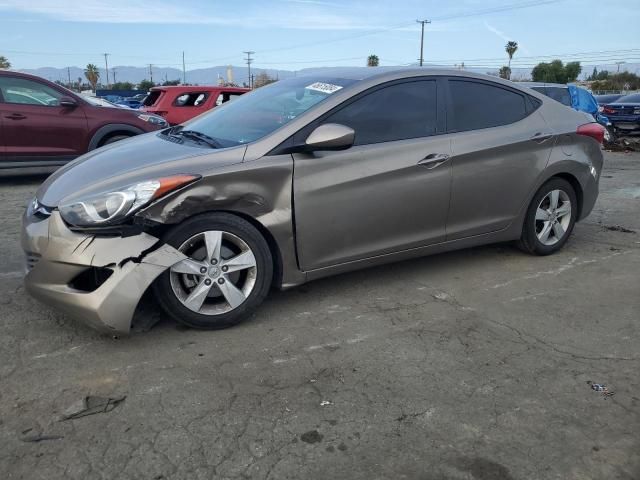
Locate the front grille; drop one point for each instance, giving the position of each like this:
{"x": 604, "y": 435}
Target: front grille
{"x": 31, "y": 259}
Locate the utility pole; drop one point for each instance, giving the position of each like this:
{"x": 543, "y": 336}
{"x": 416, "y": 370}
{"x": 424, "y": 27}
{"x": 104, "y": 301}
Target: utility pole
{"x": 422, "y": 22}
{"x": 113, "y": 75}
{"x": 618, "y": 64}
{"x": 69, "y": 76}
{"x": 184, "y": 72}
{"x": 151, "y": 72}
{"x": 249, "y": 61}
{"x": 106, "y": 67}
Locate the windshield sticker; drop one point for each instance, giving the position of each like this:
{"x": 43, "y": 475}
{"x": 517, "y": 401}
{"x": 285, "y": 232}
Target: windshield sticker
{"x": 323, "y": 87}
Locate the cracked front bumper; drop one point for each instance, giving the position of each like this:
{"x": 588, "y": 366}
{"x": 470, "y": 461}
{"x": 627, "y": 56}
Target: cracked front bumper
{"x": 56, "y": 256}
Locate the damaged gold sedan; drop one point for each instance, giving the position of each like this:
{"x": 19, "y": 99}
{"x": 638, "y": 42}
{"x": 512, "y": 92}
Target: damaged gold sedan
{"x": 305, "y": 178}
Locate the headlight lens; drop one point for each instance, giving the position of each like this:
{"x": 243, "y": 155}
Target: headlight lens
{"x": 154, "y": 119}
{"x": 112, "y": 207}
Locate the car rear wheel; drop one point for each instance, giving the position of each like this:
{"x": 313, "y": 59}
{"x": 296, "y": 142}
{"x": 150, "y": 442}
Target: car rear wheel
{"x": 609, "y": 135}
{"x": 550, "y": 218}
{"x": 226, "y": 275}
{"x": 114, "y": 139}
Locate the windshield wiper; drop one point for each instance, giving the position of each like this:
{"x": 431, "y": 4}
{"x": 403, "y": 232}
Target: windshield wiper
{"x": 200, "y": 137}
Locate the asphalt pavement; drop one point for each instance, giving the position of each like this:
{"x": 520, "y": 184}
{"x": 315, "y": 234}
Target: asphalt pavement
{"x": 471, "y": 365}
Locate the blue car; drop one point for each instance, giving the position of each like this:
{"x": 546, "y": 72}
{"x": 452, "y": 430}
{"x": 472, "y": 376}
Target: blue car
{"x": 577, "y": 98}
{"x": 130, "y": 102}
{"x": 624, "y": 113}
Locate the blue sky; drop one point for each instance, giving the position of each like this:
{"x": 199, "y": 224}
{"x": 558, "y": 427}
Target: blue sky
{"x": 295, "y": 34}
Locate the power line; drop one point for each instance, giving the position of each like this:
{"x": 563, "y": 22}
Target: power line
{"x": 106, "y": 67}
{"x": 422, "y": 22}
{"x": 249, "y": 61}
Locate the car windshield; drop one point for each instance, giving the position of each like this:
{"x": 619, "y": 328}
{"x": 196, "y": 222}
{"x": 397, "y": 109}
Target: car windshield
{"x": 635, "y": 98}
{"x": 559, "y": 94}
{"x": 99, "y": 102}
{"x": 264, "y": 110}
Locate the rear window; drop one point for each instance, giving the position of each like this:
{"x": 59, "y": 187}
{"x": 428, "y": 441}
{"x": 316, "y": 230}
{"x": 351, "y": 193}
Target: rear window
{"x": 478, "y": 105}
{"x": 635, "y": 98}
{"x": 225, "y": 97}
{"x": 152, "y": 98}
{"x": 192, "y": 99}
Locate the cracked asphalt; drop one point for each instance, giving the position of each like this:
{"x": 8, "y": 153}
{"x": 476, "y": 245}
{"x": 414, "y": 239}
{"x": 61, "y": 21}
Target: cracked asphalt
{"x": 471, "y": 365}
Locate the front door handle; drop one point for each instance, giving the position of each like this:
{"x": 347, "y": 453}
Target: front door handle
{"x": 541, "y": 137}
{"x": 433, "y": 160}
{"x": 15, "y": 116}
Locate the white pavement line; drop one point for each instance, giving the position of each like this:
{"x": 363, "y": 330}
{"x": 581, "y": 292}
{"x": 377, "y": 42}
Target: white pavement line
{"x": 557, "y": 271}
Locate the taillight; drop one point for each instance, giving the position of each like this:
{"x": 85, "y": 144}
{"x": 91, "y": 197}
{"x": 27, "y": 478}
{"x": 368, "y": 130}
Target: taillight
{"x": 593, "y": 130}
{"x": 606, "y": 109}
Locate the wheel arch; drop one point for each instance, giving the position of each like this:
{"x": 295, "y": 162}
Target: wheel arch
{"x": 577, "y": 188}
{"x": 110, "y": 130}
{"x": 159, "y": 230}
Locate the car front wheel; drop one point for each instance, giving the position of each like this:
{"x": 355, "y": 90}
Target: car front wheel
{"x": 550, "y": 218}
{"x": 226, "y": 275}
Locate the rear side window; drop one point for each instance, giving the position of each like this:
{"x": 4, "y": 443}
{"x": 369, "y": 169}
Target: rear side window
{"x": 397, "y": 112}
{"x": 476, "y": 105}
{"x": 224, "y": 97}
{"x": 194, "y": 99}
{"x": 151, "y": 99}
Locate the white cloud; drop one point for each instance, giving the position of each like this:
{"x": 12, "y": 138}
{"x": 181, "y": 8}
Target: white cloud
{"x": 296, "y": 14}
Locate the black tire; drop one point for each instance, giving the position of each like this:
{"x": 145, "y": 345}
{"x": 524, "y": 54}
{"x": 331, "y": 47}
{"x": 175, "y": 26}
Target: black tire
{"x": 114, "y": 139}
{"x": 611, "y": 133}
{"x": 529, "y": 241}
{"x": 239, "y": 227}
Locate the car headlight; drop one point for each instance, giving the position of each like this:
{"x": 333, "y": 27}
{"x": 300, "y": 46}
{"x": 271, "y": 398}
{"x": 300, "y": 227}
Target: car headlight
{"x": 108, "y": 208}
{"x": 154, "y": 119}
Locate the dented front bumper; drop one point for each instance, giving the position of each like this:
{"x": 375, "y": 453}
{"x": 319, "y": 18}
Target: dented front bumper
{"x": 58, "y": 257}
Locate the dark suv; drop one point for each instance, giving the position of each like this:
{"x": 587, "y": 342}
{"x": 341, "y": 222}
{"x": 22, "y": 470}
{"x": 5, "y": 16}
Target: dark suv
{"x": 44, "y": 125}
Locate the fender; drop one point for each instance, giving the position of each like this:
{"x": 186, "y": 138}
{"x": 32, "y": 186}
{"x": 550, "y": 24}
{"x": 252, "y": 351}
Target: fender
{"x": 111, "y": 128}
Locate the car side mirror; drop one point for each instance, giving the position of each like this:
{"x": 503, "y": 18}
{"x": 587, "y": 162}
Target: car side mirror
{"x": 330, "y": 136}
{"x": 68, "y": 102}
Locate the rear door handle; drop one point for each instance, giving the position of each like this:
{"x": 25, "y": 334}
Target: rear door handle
{"x": 433, "y": 160}
{"x": 15, "y": 116}
{"x": 541, "y": 137}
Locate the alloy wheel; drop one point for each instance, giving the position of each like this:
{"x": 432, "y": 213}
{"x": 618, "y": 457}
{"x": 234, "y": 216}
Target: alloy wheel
{"x": 218, "y": 275}
{"x": 553, "y": 217}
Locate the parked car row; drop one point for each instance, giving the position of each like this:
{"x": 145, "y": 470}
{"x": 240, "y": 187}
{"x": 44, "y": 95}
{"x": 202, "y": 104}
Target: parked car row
{"x": 579, "y": 99}
{"x": 624, "y": 112}
{"x": 44, "y": 125}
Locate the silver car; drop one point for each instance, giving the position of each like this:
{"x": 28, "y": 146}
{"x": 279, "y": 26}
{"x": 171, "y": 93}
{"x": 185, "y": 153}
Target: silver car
{"x": 305, "y": 178}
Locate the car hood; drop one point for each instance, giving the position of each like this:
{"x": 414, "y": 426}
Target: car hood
{"x": 137, "y": 159}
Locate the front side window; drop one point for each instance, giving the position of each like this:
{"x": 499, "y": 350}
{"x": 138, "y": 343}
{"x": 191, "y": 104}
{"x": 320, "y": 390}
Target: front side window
{"x": 397, "y": 112}
{"x": 27, "y": 92}
{"x": 476, "y": 105}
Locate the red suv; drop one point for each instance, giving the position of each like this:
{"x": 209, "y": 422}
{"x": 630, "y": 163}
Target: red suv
{"x": 182, "y": 103}
{"x": 45, "y": 125}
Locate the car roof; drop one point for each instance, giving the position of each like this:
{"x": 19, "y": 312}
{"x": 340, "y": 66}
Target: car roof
{"x": 543, "y": 84}
{"x": 383, "y": 74}
{"x": 197, "y": 88}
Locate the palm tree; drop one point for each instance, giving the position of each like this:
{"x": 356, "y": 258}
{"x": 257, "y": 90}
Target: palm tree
{"x": 373, "y": 61}
{"x": 511, "y": 48}
{"x": 93, "y": 75}
{"x": 4, "y": 63}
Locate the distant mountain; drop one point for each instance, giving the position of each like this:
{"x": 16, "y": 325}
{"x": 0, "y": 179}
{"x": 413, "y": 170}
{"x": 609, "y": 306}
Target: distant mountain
{"x": 209, "y": 76}
{"x": 202, "y": 76}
